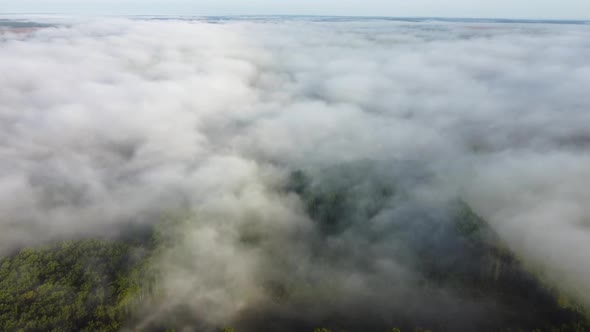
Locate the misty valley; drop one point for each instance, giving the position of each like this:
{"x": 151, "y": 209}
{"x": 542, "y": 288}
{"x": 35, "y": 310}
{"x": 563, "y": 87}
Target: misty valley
{"x": 454, "y": 273}
{"x": 304, "y": 174}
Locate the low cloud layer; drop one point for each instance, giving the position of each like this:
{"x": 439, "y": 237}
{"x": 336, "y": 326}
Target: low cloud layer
{"x": 108, "y": 123}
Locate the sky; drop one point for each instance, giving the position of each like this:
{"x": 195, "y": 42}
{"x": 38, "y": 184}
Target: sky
{"x": 525, "y": 9}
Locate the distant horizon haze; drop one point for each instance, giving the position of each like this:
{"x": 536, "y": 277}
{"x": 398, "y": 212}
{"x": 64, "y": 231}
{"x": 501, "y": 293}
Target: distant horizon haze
{"x": 500, "y": 9}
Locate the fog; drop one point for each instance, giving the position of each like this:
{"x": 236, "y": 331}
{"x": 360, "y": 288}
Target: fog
{"x": 114, "y": 122}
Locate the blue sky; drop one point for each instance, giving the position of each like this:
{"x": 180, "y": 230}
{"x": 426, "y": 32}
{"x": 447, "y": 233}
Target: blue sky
{"x": 557, "y": 9}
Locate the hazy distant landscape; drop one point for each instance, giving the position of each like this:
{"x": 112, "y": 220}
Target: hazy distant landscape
{"x": 294, "y": 173}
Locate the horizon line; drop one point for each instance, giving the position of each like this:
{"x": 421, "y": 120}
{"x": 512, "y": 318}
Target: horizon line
{"x": 304, "y": 15}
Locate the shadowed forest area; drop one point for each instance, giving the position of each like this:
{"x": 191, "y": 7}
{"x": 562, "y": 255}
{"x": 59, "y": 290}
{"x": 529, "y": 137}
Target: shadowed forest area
{"x": 108, "y": 284}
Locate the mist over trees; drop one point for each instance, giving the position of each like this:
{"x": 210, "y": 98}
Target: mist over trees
{"x": 464, "y": 277}
{"x": 293, "y": 174}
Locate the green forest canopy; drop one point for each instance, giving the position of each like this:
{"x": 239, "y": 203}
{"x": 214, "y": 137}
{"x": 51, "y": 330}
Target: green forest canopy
{"x": 100, "y": 284}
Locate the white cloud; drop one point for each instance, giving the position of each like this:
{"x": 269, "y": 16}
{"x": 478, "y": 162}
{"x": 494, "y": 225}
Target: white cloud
{"x": 108, "y": 122}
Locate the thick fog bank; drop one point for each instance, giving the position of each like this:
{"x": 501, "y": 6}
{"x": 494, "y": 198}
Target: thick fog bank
{"x": 114, "y": 122}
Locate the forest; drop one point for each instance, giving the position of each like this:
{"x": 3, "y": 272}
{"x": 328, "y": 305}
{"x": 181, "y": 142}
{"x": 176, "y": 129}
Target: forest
{"x": 106, "y": 284}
